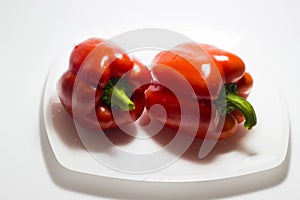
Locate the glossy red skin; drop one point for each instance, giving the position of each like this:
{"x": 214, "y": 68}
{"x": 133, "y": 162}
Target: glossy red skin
{"x": 92, "y": 63}
{"x": 230, "y": 67}
{"x": 185, "y": 63}
{"x": 157, "y": 94}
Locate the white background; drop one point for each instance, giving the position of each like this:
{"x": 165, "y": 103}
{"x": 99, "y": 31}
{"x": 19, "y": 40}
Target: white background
{"x": 32, "y": 34}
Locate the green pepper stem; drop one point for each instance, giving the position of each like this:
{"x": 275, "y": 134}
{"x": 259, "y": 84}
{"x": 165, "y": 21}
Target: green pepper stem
{"x": 234, "y": 101}
{"x": 229, "y": 100}
{"x": 116, "y": 95}
{"x": 120, "y": 99}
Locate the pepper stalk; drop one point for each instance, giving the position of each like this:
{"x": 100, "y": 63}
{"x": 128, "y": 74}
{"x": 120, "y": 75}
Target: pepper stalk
{"x": 232, "y": 101}
{"x": 117, "y": 95}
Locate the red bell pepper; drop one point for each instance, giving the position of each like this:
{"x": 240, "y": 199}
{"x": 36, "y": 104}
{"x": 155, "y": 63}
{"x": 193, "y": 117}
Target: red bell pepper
{"x": 98, "y": 84}
{"x": 220, "y": 86}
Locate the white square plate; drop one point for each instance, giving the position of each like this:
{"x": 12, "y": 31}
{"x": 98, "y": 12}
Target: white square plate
{"x": 261, "y": 149}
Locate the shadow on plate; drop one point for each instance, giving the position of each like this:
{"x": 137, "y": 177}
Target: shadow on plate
{"x": 166, "y": 135}
{"x": 67, "y": 132}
